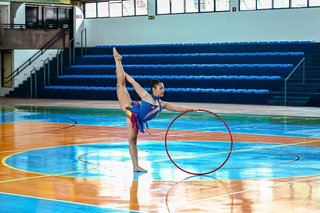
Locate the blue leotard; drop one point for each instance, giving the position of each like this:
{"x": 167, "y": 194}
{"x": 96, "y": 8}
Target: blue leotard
{"x": 149, "y": 108}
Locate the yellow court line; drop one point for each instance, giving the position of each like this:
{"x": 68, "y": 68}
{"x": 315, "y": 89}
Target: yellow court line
{"x": 241, "y": 150}
{"x": 59, "y": 174}
{"x": 47, "y": 175}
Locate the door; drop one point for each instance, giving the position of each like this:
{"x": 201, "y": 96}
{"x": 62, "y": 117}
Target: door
{"x": 7, "y": 68}
{"x": 4, "y": 15}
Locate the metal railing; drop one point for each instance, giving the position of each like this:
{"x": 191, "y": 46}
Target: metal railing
{"x": 85, "y": 42}
{"x": 303, "y": 62}
{"x": 34, "y": 57}
{"x": 44, "y": 72}
{"x": 59, "y": 56}
{"x": 71, "y": 57}
{"x": 35, "y": 83}
{"x": 59, "y": 66}
{"x": 35, "y": 26}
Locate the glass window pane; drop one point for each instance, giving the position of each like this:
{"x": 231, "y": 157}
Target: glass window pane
{"x": 192, "y": 6}
{"x": 103, "y": 9}
{"x": 298, "y": 3}
{"x": 115, "y": 9}
{"x": 91, "y": 10}
{"x": 50, "y": 16}
{"x": 141, "y": 7}
{"x": 163, "y": 6}
{"x": 264, "y": 4}
{"x": 177, "y": 6}
{"x": 63, "y": 16}
{"x": 314, "y": 3}
{"x": 281, "y": 3}
{"x": 206, "y": 5}
{"x": 223, "y": 5}
{"x": 128, "y": 8}
{"x": 247, "y": 4}
{"x": 31, "y": 16}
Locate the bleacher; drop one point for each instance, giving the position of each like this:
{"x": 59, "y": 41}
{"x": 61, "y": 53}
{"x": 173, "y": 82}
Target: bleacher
{"x": 235, "y": 72}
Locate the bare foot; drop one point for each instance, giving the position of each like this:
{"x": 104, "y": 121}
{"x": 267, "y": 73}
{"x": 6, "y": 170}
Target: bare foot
{"x": 139, "y": 169}
{"x": 116, "y": 55}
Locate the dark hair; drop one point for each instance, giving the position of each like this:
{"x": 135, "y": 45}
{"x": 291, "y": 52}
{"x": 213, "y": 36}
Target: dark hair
{"x": 154, "y": 82}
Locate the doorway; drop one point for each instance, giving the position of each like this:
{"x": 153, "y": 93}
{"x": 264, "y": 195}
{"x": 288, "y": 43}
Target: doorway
{"x": 6, "y": 68}
{"x": 4, "y": 14}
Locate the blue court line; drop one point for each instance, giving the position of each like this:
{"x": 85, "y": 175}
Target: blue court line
{"x": 15, "y": 203}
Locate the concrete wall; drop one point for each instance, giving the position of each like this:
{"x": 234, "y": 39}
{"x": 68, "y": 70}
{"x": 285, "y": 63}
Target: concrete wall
{"x": 29, "y": 38}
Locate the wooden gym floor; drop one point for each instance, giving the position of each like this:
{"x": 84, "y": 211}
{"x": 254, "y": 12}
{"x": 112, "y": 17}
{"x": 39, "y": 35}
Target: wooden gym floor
{"x": 72, "y": 156}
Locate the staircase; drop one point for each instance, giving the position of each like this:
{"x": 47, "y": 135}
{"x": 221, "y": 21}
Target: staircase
{"x": 24, "y": 89}
{"x": 299, "y": 93}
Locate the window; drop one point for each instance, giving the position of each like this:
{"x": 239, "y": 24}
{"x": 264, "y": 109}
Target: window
{"x": 91, "y": 10}
{"x": 223, "y": 5}
{"x": 247, "y": 4}
{"x": 50, "y": 15}
{"x": 281, "y": 3}
{"x": 191, "y": 6}
{"x": 163, "y": 6}
{"x": 116, "y": 8}
{"x": 103, "y": 9}
{"x": 141, "y": 7}
{"x": 31, "y": 16}
{"x": 264, "y": 4}
{"x": 277, "y": 4}
{"x": 177, "y": 6}
{"x": 206, "y": 5}
{"x": 47, "y": 17}
{"x": 299, "y": 3}
{"x": 128, "y": 8}
{"x": 313, "y": 3}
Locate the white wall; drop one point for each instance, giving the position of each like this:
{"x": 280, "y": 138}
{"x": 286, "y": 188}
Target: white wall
{"x": 21, "y": 56}
{"x": 281, "y": 24}
{"x": 20, "y": 15}
{"x": 79, "y": 25}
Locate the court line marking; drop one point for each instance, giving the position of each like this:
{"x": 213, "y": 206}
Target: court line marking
{"x": 234, "y": 193}
{"x": 41, "y": 175}
{"x": 241, "y": 150}
{"x": 63, "y": 201}
{"x": 45, "y": 175}
{"x": 81, "y": 144}
{"x": 48, "y": 131}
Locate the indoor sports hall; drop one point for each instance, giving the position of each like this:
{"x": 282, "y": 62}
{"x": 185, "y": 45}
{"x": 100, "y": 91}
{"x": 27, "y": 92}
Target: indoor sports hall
{"x": 238, "y": 130}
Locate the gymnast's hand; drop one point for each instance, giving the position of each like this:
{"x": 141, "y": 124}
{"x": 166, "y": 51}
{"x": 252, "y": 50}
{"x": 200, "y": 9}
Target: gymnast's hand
{"x": 194, "y": 109}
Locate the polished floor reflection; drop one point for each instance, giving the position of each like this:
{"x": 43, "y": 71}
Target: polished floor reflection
{"x": 67, "y": 159}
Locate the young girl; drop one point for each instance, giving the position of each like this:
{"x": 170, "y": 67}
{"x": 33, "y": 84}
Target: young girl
{"x": 138, "y": 114}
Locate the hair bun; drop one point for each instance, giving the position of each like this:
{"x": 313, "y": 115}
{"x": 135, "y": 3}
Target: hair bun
{"x": 154, "y": 83}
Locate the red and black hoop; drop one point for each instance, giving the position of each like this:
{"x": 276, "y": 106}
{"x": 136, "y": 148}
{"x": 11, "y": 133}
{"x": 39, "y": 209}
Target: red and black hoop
{"x": 192, "y": 173}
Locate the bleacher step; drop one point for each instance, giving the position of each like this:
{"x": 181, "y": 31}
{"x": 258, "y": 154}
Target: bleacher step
{"x": 289, "y": 103}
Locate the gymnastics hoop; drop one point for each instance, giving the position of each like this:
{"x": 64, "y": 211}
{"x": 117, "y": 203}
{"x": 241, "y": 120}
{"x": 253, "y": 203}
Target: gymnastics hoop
{"x": 205, "y": 173}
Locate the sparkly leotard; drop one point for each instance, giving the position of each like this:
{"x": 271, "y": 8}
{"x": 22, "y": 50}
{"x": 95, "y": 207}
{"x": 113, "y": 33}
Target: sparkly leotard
{"x": 149, "y": 108}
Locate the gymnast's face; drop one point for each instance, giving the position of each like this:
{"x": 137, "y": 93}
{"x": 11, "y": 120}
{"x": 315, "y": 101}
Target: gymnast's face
{"x": 158, "y": 91}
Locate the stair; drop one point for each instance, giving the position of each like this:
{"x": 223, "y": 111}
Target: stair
{"x": 291, "y": 101}
{"x": 300, "y": 87}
